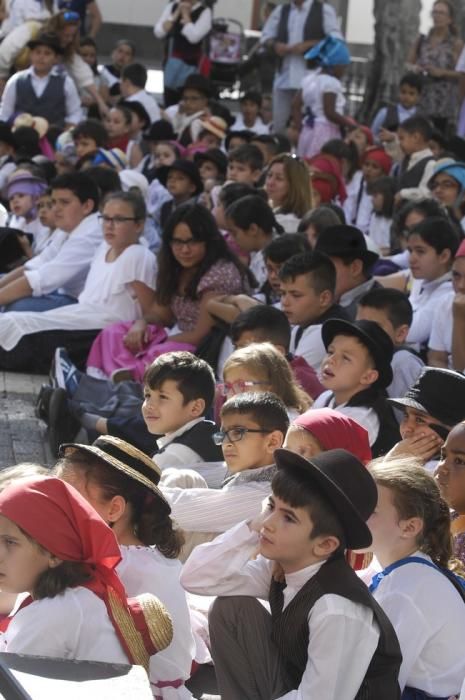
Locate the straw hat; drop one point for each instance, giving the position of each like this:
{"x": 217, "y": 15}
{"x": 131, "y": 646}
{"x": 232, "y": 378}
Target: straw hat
{"x": 126, "y": 458}
{"x": 215, "y": 125}
{"x": 38, "y": 123}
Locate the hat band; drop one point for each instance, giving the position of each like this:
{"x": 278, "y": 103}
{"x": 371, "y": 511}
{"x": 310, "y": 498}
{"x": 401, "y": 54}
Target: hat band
{"x": 134, "y": 463}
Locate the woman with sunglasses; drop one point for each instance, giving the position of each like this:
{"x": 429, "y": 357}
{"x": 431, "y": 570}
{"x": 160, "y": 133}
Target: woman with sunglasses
{"x": 14, "y": 53}
{"x": 194, "y": 265}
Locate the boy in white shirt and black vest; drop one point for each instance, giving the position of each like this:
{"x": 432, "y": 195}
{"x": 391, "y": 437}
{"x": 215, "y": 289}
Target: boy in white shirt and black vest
{"x": 326, "y": 636}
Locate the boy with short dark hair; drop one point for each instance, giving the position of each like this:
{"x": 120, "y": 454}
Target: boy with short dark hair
{"x": 133, "y": 81}
{"x": 392, "y": 310}
{"x": 356, "y": 371}
{"x": 417, "y": 167}
{"x": 326, "y": 636}
{"x": 253, "y": 426}
{"x": 249, "y": 118}
{"x": 308, "y": 282}
{"x": 245, "y": 164}
{"x": 88, "y": 136}
{"x": 389, "y": 118}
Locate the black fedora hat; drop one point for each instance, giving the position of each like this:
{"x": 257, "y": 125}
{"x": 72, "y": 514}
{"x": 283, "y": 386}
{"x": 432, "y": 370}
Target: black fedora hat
{"x": 438, "y": 392}
{"x": 191, "y": 170}
{"x": 369, "y": 333}
{"x": 345, "y": 242}
{"x": 126, "y": 458}
{"x": 213, "y": 155}
{"x": 46, "y": 39}
{"x": 345, "y": 483}
{"x": 161, "y": 130}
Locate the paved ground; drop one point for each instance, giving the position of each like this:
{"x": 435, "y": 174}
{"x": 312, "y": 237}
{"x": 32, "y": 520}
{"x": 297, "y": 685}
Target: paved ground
{"x": 21, "y": 433}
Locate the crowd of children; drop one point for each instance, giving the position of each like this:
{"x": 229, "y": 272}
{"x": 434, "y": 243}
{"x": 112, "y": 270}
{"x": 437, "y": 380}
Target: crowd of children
{"x": 255, "y": 338}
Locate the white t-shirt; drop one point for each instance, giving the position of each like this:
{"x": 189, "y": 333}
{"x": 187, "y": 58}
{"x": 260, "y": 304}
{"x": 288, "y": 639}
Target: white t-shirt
{"x": 146, "y": 570}
{"x": 258, "y": 127}
{"x": 314, "y": 86}
{"x": 73, "y": 625}
{"x": 441, "y": 332}
{"x": 379, "y": 231}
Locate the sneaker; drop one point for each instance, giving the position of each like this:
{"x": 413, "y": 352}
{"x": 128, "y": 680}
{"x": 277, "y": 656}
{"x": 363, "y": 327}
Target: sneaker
{"x": 123, "y": 374}
{"x": 43, "y": 401}
{"x": 62, "y": 425}
{"x": 66, "y": 373}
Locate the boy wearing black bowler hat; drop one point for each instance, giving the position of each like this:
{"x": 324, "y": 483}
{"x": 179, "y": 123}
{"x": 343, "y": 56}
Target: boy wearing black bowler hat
{"x": 347, "y": 248}
{"x": 326, "y": 636}
{"x": 356, "y": 372}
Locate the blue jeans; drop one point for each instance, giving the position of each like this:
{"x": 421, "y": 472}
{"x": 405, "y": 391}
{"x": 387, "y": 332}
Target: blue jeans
{"x": 44, "y": 303}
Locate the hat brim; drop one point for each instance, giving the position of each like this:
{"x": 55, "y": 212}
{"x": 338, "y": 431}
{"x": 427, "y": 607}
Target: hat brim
{"x": 334, "y": 327}
{"x": 126, "y": 469}
{"x": 357, "y": 532}
{"x": 407, "y": 403}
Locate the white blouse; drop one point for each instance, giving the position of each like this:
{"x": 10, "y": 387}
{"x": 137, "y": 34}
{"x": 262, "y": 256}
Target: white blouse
{"x": 73, "y": 625}
{"x": 146, "y": 570}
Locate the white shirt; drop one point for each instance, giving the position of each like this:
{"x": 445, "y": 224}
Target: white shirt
{"x": 147, "y": 101}
{"x": 294, "y": 67}
{"x": 441, "y": 331}
{"x": 343, "y": 635}
{"x": 258, "y": 127}
{"x": 362, "y": 414}
{"x": 73, "y": 625}
{"x": 194, "y": 32}
{"x": 310, "y": 345}
{"x": 379, "y": 231}
{"x": 428, "y": 616}
{"x": 20, "y": 11}
{"x": 422, "y": 191}
{"x": 314, "y": 86}
{"x": 426, "y": 299}
{"x": 406, "y": 367}
{"x": 216, "y": 510}
{"x": 402, "y": 115}
{"x": 73, "y": 108}
{"x": 146, "y": 570}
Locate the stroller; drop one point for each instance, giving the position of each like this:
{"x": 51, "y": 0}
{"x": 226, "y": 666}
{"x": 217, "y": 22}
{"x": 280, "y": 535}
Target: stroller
{"x": 226, "y": 48}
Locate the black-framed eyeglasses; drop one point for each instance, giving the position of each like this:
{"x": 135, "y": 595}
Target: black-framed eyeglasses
{"x": 179, "y": 243}
{"x": 115, "y": 220}
{"x": 234, "y": 434}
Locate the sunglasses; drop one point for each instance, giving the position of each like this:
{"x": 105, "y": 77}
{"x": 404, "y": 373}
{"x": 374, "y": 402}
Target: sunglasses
{"x": 71, "y": 16}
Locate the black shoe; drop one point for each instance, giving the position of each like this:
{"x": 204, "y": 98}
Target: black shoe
{"x": 42, "y": 402}
{"x": 62, "y": 425}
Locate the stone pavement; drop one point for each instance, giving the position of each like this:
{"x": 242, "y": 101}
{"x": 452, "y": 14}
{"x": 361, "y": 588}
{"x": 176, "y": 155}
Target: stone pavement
{"x": 21, "y": 433}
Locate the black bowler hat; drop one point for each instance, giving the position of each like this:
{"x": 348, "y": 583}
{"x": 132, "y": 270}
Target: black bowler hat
{"x": 372, "y": 336}
{"x": 161, "y": 130}
{"x": 438, "y": 392}
{"x": 213, "y": 155}
{"x": 192, "y": 172}
{"x": 346, "y": 484}
{"x": 47, "y": 39}
{"x": 345, "y": 242}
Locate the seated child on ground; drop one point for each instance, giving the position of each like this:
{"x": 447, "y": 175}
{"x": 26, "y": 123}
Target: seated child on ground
{"x": 326, "y": 635}
{"x": 412, "y": 542}
{"x": 356, "y": 372}
{"x": 121, "y": 483}
{"x": 23, "y": 191}
{"x": 77, "y": 606}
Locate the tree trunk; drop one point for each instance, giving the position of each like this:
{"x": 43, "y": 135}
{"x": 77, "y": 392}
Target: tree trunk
{"x": 396, "y": 26}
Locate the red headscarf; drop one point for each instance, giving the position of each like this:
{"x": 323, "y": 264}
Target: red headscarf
{"x": 60, "y": 519}
{"x": 379, "y": 155}
{"x": 326, "y": 176}
{"x": 335, "y": 430}
{"x": 368, "y": 133}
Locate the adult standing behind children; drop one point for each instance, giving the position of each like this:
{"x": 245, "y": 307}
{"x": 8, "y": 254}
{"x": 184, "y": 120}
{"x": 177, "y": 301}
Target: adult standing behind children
{"x": 56, "y": 276}
{"x": 326, "y": 637}
{"x": 42, "y": 90}
{"x": 291, "y": 30}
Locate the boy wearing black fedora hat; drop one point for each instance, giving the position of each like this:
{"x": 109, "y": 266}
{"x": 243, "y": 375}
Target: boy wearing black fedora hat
{"x": 326, "y": 637}
{"x": 356, "y": 372}
{"x": 41, "y": 90}
{"x": 184, "y": 185}
{"x": 347, "y": 248}
{"x": 432, "y": 406}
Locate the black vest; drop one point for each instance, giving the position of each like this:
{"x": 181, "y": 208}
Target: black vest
{"x": 199, "y": 439}
{"x": 179, "y": 46}
{"x": 313, "y": 28}
{"x": 51, "y": 104}
{"x": 290, "y": 630}
{"x": 412, "y": 177}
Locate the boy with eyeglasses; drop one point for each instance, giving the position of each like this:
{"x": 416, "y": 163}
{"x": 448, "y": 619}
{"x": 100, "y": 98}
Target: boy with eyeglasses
{"x": 253, "y": 426}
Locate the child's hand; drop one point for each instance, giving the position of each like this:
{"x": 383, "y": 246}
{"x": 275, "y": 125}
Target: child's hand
{"x": 136, "y": 338}
{"x": 423, "y": 447}
{"x": 281, "y": 49}
{"x": 385, "y": 135}
{"x": 256, "y": 524}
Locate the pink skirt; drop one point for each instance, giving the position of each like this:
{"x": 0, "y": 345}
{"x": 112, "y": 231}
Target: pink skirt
{"x": 312, "y": 139}
{"x": 108, "y": 352}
